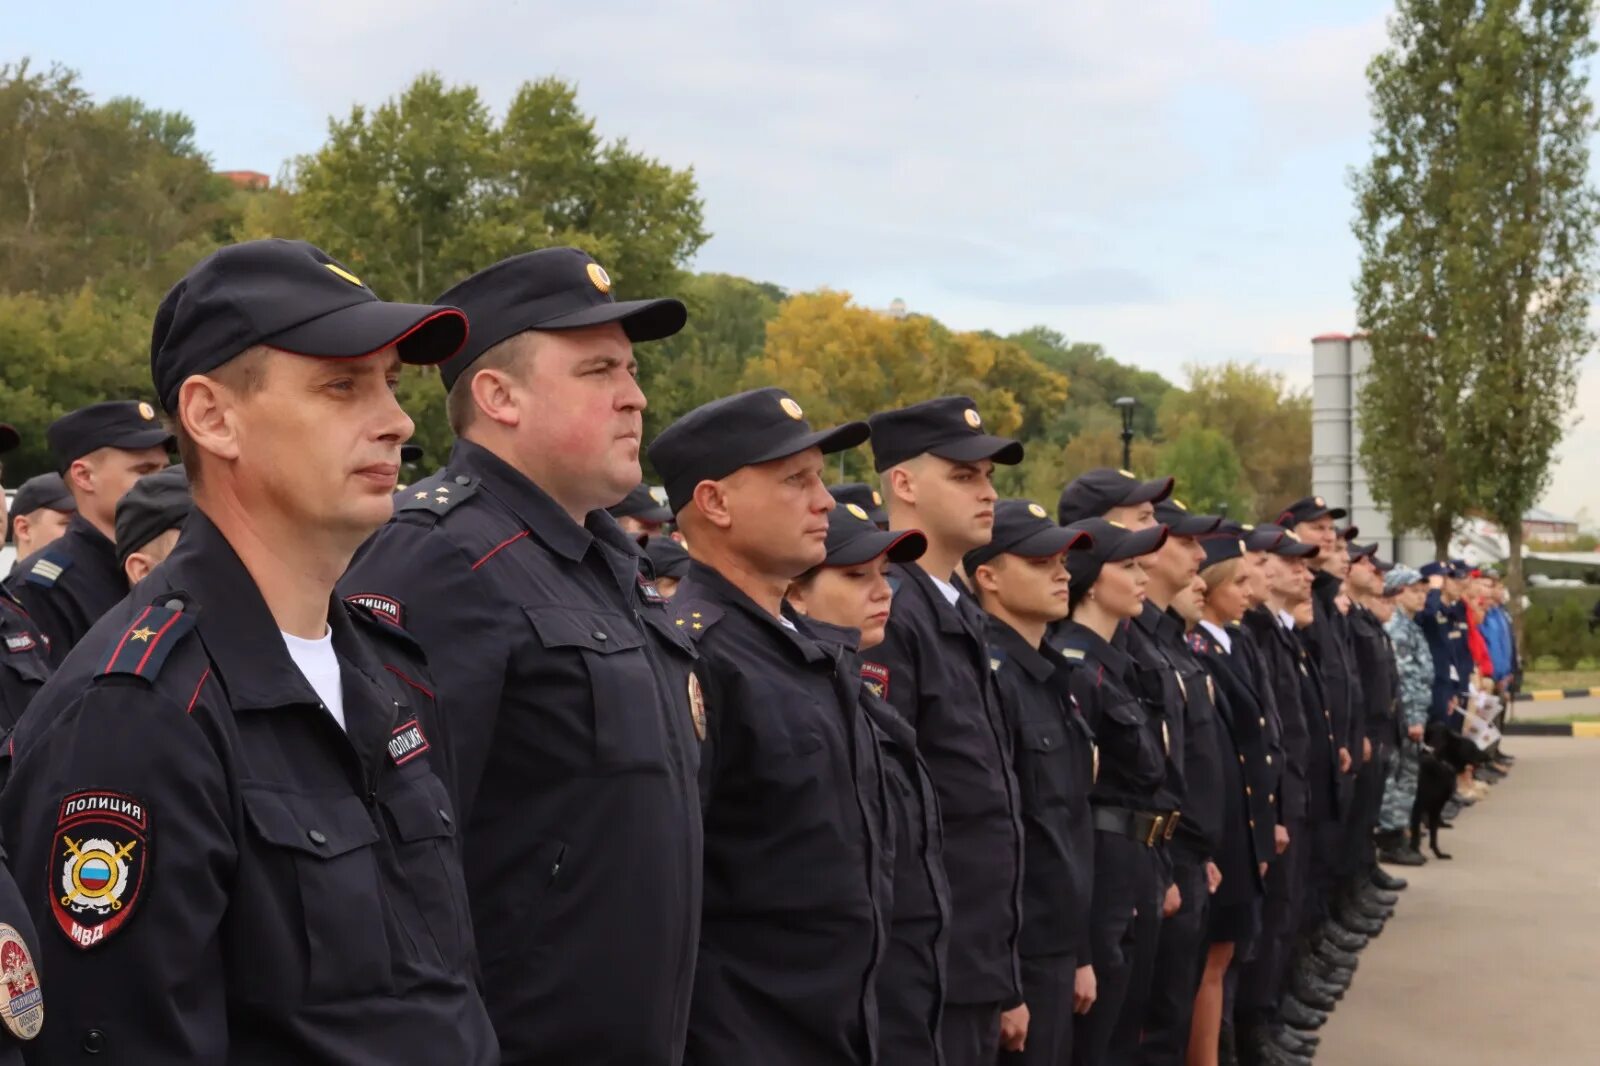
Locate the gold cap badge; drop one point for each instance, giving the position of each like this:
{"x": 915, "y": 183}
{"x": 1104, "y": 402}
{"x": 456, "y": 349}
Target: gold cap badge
{"x": 791, "y": 408}
{"x": 857, "y": 512}
{"x": 598, "y": 275}
{"x": 339, "y": 271}
{"x": 972, "y": 418}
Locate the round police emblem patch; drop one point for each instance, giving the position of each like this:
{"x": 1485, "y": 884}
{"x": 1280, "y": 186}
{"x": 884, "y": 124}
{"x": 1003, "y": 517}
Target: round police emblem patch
{"x": 1037, "y": 511}
{"x": 791, "y": 408}
{"x": 599, "y": 278}
{"x": 972, "y": 418}
{"x": 697, "y": 706}
{"x": 856, "y": 512}
{"x": 877, "y": 500}
{"x": 21, "y": 1000}
{"x": 97, "y": 872}
{"x": 147, "y": 412}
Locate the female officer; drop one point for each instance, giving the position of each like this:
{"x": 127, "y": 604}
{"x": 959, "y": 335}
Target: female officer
{"x": 1107, "y": 589}
{"x": 851, "y": 590}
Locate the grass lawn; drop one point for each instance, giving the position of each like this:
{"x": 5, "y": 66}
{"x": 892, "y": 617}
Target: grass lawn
{"x": 1536, "y": 712}
{"x": 1537, "y": 679}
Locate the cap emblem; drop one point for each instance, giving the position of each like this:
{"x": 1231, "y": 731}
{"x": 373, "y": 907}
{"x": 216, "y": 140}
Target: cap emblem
{"x": 857, "y": 512}
{"x": 1318, "y": 501}
{"x": 972, "y": 418}
{"x": 1179, "y": 504}
{"x": 339, "y": 271}
{"x": 147, "y": 412}
{"x": 791, "y": 409}
{"x": 877, "y": 500}
{"x": 598, "y": 276}
{"x": 1117, "y": 525}
{"x": 1129, "y": 474}
{"x": 1037, "y": 511}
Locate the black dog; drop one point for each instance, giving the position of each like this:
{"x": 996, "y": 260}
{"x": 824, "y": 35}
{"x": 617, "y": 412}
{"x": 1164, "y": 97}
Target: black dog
{"x": 1444, "y": 756}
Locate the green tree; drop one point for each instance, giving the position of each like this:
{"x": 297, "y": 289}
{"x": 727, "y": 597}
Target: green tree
{"x": 1210, "y": 477}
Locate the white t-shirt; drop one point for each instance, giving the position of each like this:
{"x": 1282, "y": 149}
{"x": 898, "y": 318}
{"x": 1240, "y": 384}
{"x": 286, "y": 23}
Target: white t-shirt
{"x": 1223, "y": 636}
{"x": 951, "y": 593}
{"x": 320, "y": 665}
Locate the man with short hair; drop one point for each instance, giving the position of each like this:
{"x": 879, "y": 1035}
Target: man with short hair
{"x": 40, "y": 512}
{"x": 102, "y": 450}
{"x": 564, "y": 687}
{"x": 797, "y": 881}
{"x": 936, "y": 463}
{"x": 149, "y": 518}
{"x": 225, "y": 798}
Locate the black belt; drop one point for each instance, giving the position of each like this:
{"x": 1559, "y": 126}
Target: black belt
{"x": 1147, "y": 827}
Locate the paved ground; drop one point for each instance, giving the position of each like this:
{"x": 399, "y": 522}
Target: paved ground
{"x": 1494, "y": 957}
{"x": 1527, "y": 710}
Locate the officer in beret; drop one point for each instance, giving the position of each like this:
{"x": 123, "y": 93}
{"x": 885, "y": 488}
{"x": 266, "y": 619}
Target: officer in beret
{"x": 796, "y": 923}
{"x": 1020, "y": 578}
{"x": 102, "y": 450}
{"x": 851, "y": 590}
{"x": 40, "y": 512}
{"x": 149, "y": 518}
{"x": 936, "y": 463}
{"x": 225, "y": 805}
{"x": 567, "y": 704}
{"x": 865, "y": 497}
{"x": 669, "y": 561}
{"x": 639, "y": 513}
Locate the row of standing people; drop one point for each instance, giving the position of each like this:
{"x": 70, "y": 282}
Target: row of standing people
{"x": 473, "y": 784}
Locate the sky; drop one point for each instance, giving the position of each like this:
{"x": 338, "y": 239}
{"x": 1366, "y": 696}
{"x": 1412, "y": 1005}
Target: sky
{"x": 1168, "y": 178}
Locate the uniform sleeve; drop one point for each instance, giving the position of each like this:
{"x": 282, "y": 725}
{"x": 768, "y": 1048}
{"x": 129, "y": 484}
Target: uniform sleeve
{"x": 47, "y": 617}
{"x": 898, "y": 657}
{"x": 145, "y": 886}
{"x": 464, "y": 629}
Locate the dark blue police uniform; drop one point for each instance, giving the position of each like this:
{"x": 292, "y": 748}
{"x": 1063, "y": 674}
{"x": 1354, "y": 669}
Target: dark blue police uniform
{"x": 21, "y": 987}
{"x": 1055, "y": 764}
{"x": 794, "y": 926}
{"x": 24, "y": 666}
{"x": 225, "y": 875}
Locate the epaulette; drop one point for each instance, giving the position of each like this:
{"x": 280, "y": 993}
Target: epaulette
{"x": 145, "y": 645}
{"x": 382, "y": 614}
{"x": 695, "y": 617}
{"x": 47, "y": 569}
{"x": 438, "y": 494}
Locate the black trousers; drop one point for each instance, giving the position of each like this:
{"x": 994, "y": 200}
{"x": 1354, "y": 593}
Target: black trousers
{"x": 1357, "y": 854}
{"x": 1264, "y": 977}
{"x": 1047, "y": 982}
{"x": 1129, "y": 883}
{"x": 1179, "y": 963}
{"x": 909, "y": 1000}
{"x": 970, "y": 1034}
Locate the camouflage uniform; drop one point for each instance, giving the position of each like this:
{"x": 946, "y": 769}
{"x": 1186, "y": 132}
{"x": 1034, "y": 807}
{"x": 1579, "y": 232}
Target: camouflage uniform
{"x": 1415, "y": 662}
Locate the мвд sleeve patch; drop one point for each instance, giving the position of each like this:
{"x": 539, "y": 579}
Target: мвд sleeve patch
{"x": 98, "y": 867}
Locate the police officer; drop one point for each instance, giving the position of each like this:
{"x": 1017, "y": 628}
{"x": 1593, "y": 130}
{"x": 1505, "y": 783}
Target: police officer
{"x": 40, "y": 512}
{"x": 865, "y": 497}
{"x": 224, "y": 805}
{"x": 1021, "y": 581}
{"x": 1130, "y": 877}
{"x": 569, "y": 725}
{"x": 24, "y": 662}
{"x": 669, "y": 562}
{"x": 795, "y": 923}
{"x": 639, "y": 513}
{"x": 1437, "y": 620}
{"x": 149, "y": 518}
{"x": 1375, "y": 660}
{"x": 936, "y": 462}
{"x": 102, "y": 450}
{"x": 21, "y": 992}
{"x": 851, "y": 590}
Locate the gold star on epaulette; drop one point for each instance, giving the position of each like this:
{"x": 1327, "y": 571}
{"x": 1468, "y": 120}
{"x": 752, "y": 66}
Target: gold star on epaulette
{"x": 441, "y": 500}
{"x": 422, "y": 495}
{"x": 445, "y": 489}
{"x": 679, "y": 622}
{"x": 697, "y": 625}
{"x": 142, "y": 634}
{"x": 694, "y": 614}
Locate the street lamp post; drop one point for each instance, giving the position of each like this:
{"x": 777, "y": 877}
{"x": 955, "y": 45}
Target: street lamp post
{"x": 1126, "y": 404}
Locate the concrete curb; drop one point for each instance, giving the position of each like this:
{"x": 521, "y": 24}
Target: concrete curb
{"x": 1551, "y": 729}
{"x": 1541, "y": 695}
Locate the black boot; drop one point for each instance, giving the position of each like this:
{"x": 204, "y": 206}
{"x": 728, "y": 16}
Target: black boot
{"x": 1343, "y": 937}
{"x": 1371, "y": 893}
{"x": 1338, "y": 956}
{"x": 1297, "y": 1014}
{"x": 1388, "y": 881}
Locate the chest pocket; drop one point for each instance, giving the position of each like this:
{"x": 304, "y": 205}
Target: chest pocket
{"x": 627, "y": 717}
{"x": 420, "y": 812}
{"x": 328, "y": 847}
{"x": 1047, "y": 760}
{"x": 1131, "y": 739}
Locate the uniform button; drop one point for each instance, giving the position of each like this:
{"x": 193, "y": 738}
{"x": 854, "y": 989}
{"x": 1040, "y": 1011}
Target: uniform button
{"x": 1247, "y": 791}
{"x": 174, "y": 605}
{"x": 1263, "y": 723}
{"x": 94, "y": 1042}
{"x": 1269, "y": 763}
{"x": 316, "y": 836}
{"x": 444, "y": 816}
{"x": 1241, "y": 760}
{"x": 597, "y": 635}
{"x": 1044, "y": 742}
{"x": 1252, "y": 823}
{"x": 462, "y": 479}
{"x": 1272, "y": 797}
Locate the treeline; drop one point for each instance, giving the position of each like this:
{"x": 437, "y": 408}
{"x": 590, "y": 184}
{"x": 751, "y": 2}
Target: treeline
{"x": 104, "y": 204}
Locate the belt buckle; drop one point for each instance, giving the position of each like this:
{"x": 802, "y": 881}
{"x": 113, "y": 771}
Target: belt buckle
{"x": 1156, "y": 822}
{"x": 1172, "y": 824}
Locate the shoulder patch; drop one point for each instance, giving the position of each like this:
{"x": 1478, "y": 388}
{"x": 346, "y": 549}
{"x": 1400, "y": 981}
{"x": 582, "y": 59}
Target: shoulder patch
{"x": 21, "y": 1001}
{"x": 47, "y": 569}
{"x": 145, "y": 645}
{"x": 20, "y": 642}
{"x": 648, "y": 591}
{"x": 694, "y": 617}
{"x": 438, "y": 494}
{"x": 99, "y": 864}
{"x": 876, "y": 677}
{"x": 385, "y": 607}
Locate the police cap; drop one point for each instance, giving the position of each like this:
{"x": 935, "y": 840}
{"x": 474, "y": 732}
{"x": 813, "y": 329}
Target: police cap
{"x": 1023, "y": 528}
{"x": 1262, "y": 538}
{"x": 1309, "y": 509}
{"x": 863, "y": 496}
{"x": 640, "y": 504}
{"x": 1364, "y": 551}
{"x": 1109, "y": 542}
{"x": 667, "y": 557}
{"x": 1174, "y": 514}
{"x": 43, "y": 490}
{"x": 1289, "y": 545}
{"x": 949, "y": 427}
{"x": 156, "y": 503}
{"x": 1221, "y": 548}
{"x": 550, "y": 289}
{"x": 125, "y": 424}
{"x": 853, "y": 539}
{"x": 745, "y": 429}
{"x": 1092, "y": 494}
{"x": 292, "y": 296}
